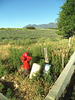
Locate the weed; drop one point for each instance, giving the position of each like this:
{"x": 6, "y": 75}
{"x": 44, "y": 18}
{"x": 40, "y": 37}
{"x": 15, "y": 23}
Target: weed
{"x": 1, "y": 87}
{"x": 14, "y": 59}
{"x": 3, "y": 71}
{"x": 40, "y": 90}
{"x": 9, "y": 93}
{"x": 0, "y": 62}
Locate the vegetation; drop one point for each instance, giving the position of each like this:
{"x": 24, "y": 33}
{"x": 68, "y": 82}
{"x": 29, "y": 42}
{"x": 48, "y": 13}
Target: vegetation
{"x": 13, "y": 83}
{"x": 66, "y": 20}
{"x": 30, "y": 27}
{"x": 24, "y": 37}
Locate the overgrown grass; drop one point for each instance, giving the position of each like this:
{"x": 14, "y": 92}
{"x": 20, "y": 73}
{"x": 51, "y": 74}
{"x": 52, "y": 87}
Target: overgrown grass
{"x": 42, "y": 81}
{"x": 38, "y": 86}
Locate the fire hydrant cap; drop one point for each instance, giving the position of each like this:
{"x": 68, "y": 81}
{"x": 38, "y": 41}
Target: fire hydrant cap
{"x": 25, "y": 54}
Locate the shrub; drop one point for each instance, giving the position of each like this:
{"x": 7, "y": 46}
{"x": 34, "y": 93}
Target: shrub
{"x": 30, "y": 27}
{"x": 2, "y": 28}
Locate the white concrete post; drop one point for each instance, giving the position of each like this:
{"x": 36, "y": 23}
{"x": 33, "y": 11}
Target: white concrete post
{"x": 35, "y": 69}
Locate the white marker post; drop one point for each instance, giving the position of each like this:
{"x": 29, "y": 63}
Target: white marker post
{"x": 46, "y": 65}
{"x": 35, "y": 69}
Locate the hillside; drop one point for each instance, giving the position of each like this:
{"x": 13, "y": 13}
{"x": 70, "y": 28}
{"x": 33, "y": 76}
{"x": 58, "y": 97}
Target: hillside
{"x": 49, "y": 25}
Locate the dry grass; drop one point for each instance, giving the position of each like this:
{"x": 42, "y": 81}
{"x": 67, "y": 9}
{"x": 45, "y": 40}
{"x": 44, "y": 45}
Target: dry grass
{"x": 62, "y": 44}
{"x": 21, "y": 84}
{"x": 4, "y": 50}
{"x": 21, "y": 87}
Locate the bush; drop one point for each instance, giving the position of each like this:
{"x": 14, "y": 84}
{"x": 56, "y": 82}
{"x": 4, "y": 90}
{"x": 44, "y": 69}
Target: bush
{"x": 30, "y": 27}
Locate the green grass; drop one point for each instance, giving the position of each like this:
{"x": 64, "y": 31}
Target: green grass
{"x": 25, "y": 37}
{"x": 34, "y": 42}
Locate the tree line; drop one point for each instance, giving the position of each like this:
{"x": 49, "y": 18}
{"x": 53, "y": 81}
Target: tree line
{"x": 66, "y": 20}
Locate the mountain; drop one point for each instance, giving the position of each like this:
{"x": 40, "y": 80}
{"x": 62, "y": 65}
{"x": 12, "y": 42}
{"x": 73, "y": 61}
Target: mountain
{"x": 49, "y": 25}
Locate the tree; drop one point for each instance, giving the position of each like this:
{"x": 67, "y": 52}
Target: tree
{"x": 31, "y": 27}
{"x": 66, "y": 20}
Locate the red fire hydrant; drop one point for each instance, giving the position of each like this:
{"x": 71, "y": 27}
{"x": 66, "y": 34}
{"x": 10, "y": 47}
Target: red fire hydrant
{"x": 26, "y": 59}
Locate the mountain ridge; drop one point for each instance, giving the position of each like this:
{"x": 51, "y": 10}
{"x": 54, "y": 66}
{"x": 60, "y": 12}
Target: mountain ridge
{"x": 49, "y": 25}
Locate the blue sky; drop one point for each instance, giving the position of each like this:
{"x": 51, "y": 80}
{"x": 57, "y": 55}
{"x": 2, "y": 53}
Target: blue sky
{"x": 18, "y": 13}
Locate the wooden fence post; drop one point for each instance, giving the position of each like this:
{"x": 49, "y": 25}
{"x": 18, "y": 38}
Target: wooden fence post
{"x": 46, "y": 55}
{"x": 69, "y": 42}
{"x": 62, "y": 61}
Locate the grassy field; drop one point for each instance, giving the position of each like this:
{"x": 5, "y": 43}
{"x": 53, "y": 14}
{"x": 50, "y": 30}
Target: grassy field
{"x": 13, "y": 43}
{"x": 19, "y": 36}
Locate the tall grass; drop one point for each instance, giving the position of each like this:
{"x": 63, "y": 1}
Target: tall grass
{"x": 37, "y": 54}
{"x": 27, "y": 39}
